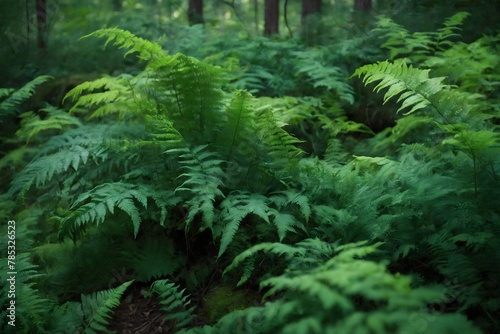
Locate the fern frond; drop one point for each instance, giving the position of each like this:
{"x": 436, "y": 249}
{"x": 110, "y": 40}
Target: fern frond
{"x": 288, "y": 197}
{"x": 450, "y": 29}
{"x": 240, "y": 123}
{"x": 32, "y": 125}
{"x": 93, "y": 205}
{"x": 43, "y": 169}
{"x": 418, "y": 45}
{"x": 124, "y": 39}
{"x": 276, "y": 248}
{"x": 31, "y": 308}
{"x": 416, "y": 89}
{"x": 312, "y": 65}
{"x": 279, "y": 145}
{"x": 235, "y": 208}
{"x": 157, "y": 258}
{"x": 173, "y": 302}
{"x": 204, "y": 177}
{"x": 97, "y": 308}
{"x": 10, "y": 106}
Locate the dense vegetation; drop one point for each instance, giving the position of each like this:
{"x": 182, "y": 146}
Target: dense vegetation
{"x": 346, "y": 183}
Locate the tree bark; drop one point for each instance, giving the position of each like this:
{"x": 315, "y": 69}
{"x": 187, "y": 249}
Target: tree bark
{"x": 195, "y": 12}
{"x": 310, "y": 7}
{"x": 41, "y": 26}
{"x": 271, "y": 17}
{"x": 310, "y": 24}
{"x": 363, "y": 5}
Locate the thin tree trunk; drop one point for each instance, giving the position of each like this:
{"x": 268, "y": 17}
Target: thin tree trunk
{"x": 271, "y": 17}
{"x": 41, "y": 19}
{"x": 310, "y": 7}
{"x": 195, "y": 12}
{"x": 363, "y": 5}
{"x": 310, "y": 24}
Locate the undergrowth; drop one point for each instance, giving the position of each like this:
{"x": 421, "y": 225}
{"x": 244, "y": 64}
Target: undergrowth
{"x": 195, "y": 173}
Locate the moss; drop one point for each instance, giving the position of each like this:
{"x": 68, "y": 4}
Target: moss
{"x": 224, "y": 299}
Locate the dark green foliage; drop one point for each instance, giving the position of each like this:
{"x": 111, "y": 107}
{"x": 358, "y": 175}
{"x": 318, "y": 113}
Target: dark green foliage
{"x": 173, "y": 303}
{"x": 91, "y": 315}
{"x": 174, "y": 171}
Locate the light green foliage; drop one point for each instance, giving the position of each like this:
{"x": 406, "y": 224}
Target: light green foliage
{"x": 401, "y": 43}
{"x": 328, "y": 289}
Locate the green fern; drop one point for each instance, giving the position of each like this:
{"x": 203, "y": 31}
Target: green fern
{"x": 93, "y": 206}
{"x": 154, "y": 259}
{"x": 417, "y": 89}
{"x": 325, "y": 280}
{"x": 204, "y": 177}
{"x": 91, "y": 315}
{"x": 312, "y": 65}
{"x": 10, "y": 105}
{"x": 401, "y": 43}
{"x": 31, "y": 307}
{"x": 173, "y": 302}
{"x": 32, "y": 125}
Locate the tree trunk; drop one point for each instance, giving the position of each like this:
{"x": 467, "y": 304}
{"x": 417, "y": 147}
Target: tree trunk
{"x": 41, "y": 26}
{"x": 310, "y": 7}
{"x": 363, "y": 5}
{"x": 309, "y": 19}
{"x": 271, "y": 17}
{"x": 195, "y": 12}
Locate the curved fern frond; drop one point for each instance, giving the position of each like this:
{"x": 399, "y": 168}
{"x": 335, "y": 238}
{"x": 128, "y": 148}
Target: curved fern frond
{"x": 124, "y": 39}
{"x": 10, "y": 106}
{"x": 106, "y": 96}
{"x": 416, "y": 89}
{"x": 32, "y": 125}
{"x": 97, "y": 308}
{"x": 235, "y": 208}
{"x": 93, "y": 205}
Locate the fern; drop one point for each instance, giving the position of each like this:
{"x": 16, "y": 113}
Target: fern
{"x": 417, "y": 89}
{"x": 154, "y": 259}
{"x": 31, "y": 307}
{"x": 173, "y": 303}
{"x": 362, "y": 294}
{"x": 234, "y": 209}
{"x": 203, "y": 179}
{"x": 32, "y": 125}
{"x": 92, "y": 206}
{"x": 91, "y": 315}
{"x": 10, "y": 105}
{"x": 401, "y": 43}
{"x": 311, "y": 65}
{"x": 147, "y": 50}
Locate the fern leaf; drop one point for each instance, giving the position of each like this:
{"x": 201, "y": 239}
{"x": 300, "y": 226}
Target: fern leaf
{"x": 204, "y": 177}
{"x": 235, "y": 208}
{"x": 32, "y": 125}
{"x": 147, "y": 50}
{"x": 173, "y": 302}
{"x": 97, "y": 307}
{"x": 10, "y": 106}
{"x": 93, "y": 205}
